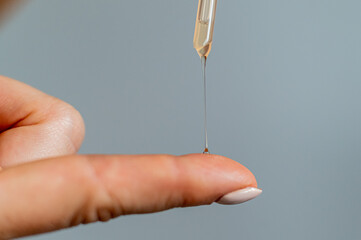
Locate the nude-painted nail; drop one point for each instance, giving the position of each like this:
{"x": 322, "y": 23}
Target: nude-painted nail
{"x": 240, "y": 196}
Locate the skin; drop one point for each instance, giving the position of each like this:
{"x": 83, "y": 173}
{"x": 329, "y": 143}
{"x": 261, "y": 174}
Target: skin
{"x": 45, "y": 186}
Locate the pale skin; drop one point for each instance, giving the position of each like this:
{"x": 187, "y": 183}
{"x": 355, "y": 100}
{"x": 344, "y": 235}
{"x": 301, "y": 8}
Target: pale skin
{"x": 45, "y": 186}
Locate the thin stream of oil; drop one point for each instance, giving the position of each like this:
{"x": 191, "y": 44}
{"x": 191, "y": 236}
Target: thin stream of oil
{"x": 203, "y": 62}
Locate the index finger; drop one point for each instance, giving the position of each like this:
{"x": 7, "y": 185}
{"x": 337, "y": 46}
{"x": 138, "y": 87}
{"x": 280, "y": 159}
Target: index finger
{"x": 63, "y": 192}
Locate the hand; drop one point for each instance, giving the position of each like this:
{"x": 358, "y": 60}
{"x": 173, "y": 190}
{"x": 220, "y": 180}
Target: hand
{"x": 63, "y": 190}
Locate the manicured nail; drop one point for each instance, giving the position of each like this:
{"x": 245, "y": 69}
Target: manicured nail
{"x": 240, "y": 196}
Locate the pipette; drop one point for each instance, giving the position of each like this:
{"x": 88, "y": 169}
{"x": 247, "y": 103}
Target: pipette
{"x": 202, "y": 42}
{"x": 203, "y": 34}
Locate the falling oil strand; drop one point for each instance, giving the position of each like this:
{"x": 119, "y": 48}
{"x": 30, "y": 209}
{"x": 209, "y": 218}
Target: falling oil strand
{"x": 202, "y": 42}
{"x": 203, "y": 62}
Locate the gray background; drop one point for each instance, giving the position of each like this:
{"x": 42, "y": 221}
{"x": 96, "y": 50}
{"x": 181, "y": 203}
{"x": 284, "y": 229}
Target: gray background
{"x": 284, "y": 100}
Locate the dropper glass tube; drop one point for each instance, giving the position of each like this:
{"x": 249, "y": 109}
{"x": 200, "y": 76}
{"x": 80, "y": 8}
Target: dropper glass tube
{"x": 202, "y": 42}
{"x": 203, "y": 34}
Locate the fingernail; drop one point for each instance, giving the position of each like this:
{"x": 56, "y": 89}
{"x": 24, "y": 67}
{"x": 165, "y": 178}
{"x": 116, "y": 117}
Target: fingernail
{"x": 240, "y": 196}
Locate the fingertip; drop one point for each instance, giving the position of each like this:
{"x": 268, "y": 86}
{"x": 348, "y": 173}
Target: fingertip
{"x": 229, "y": 175}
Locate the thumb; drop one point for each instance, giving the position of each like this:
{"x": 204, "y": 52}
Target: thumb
{"x": 62, "y": 192}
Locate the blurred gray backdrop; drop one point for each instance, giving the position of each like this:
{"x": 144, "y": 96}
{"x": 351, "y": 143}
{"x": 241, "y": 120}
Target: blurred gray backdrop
{"x": 284, "y": 100}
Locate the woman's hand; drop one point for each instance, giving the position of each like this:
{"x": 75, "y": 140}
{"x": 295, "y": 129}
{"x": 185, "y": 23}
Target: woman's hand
{"x": 64, "y": 190}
